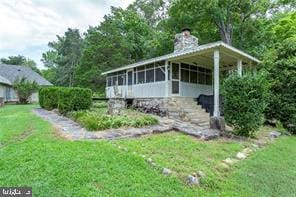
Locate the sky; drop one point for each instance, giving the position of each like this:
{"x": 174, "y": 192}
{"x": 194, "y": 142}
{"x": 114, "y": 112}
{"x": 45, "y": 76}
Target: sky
{"x": 28, "y": 25}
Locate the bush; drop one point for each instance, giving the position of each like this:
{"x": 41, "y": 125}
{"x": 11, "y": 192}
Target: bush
{"x": 245, "y": 99}
{"x": 73, "y": 99}
{"x": 65, "y": 99}
{"x": 48, "y": 97}
{"x": 24, "y": 89}
{"x": 98, "y": 120}
{"x": 281, "y": 68}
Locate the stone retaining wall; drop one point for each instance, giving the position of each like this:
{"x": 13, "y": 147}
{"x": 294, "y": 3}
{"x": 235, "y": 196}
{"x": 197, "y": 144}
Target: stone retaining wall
{"x": 157, "y": 106}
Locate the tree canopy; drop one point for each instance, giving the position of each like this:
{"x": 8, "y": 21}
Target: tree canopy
{"x": 146, "y": 29}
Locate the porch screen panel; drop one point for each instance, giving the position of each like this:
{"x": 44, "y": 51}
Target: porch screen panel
{"x": 150, "y": 76}
{"x": 141, "y": 77}
{"x": 175, "y": 71}
{"x": 193, "y": 77}
{"x": 159, "y": 74}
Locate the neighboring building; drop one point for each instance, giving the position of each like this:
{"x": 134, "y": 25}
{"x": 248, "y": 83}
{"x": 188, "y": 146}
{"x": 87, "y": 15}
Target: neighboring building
{"x": 177, "y": 78}
{"x": 10, "y": 73}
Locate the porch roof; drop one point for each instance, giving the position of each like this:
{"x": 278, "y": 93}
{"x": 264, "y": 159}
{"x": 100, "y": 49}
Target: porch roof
{"x": 190, "y": 52}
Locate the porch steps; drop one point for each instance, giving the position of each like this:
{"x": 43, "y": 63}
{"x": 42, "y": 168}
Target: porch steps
{"x": 187, "y": 109}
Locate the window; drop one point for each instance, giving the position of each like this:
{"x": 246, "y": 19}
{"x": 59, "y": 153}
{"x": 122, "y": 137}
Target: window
{"x": 149, "y": 76}
{"x": 209, "y": 79}
{"x": 149, "y": 66}
{"x": 193, "y": 77}
{"x": 184, "y": 75}
{"x": 109, "y": 81}
{"x": 114, "y": 80}
{"x": 162, "y": 63}
{"x": 121, "y": 80}
{"x": 159, "y": 75}
{"x": 135, "y": 78}
{"x": 201, "y": 78}
{"x": 141, "y": 77}
{"x": 184, "y": 66}
{"x": 175, "y": 71}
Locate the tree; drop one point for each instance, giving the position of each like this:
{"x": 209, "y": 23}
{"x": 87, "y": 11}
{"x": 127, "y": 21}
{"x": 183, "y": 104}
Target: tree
{"x": 64, "y": 57}
{"x": 226, "y": 16}
{"x": 281, "y": 67}
{"x": 122, "y": 38}
{"x": 24, "y": 89}
{"x": 14, "y": 60}
{"x": 21, "y": 60}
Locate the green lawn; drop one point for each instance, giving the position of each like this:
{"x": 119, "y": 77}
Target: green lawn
{"x": 32, "y": 154}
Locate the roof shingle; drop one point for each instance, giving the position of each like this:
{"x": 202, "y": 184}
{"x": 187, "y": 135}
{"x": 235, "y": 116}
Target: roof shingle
{"x": 10, "y": 73}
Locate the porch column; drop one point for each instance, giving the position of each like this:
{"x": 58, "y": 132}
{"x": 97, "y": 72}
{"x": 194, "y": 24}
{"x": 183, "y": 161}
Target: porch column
{"x": 239, "y": 68}
{"x": 166, "y": 79}
{"x": 216, "y": 83}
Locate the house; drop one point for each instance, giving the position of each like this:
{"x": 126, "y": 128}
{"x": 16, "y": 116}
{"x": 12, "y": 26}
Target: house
{"x": 10, "y": 73}
{"x": 174, "y": 81}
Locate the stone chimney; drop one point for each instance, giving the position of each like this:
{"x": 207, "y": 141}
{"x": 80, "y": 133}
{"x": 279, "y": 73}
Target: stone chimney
{"x": 184, "y": 41}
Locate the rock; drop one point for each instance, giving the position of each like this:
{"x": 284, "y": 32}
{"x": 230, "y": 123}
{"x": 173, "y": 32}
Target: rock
{"x": 153, "y": 164}
{"x": 255, "y": 146}
{"x": 247, "y": 151}
{"x": 261, "y": 143}
{"x": 274, "y": 134}
{"x": 241, "y": 155}
{"x": 223, "y": 167}
{"x": 192, "y": 180}
{"x": 230, "y": 161}
{"x": 166, "y": 171}
{"x": 201, "y": 174}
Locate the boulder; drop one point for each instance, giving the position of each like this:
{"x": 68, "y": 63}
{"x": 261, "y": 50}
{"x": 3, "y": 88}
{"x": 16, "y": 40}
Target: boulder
{"x": 274, "y": 134}
{"x": 247, "y": 151}
{"x": 223, "y": 167}
{"x": 241, "y": 155}
{"x": 230, "y": 161}
{"x": 192, "y": 180}
{"x": 166, "y": 171}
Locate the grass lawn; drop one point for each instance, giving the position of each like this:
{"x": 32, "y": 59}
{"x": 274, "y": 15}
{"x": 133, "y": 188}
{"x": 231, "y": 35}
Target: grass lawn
{"x": 31, "y": 154}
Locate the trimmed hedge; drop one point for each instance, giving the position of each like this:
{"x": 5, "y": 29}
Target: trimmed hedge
{"x": 48, "y": 97}
{"x": 65, "y": 99}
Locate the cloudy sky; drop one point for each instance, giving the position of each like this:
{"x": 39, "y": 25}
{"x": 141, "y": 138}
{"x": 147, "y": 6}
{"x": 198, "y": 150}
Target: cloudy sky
{"x": 28, "y": 25}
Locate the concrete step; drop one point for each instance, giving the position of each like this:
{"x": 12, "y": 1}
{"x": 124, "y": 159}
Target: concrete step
{"x": 196, "y": 119}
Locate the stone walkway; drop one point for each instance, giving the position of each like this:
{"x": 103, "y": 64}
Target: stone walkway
{"x": 69, "y": 129}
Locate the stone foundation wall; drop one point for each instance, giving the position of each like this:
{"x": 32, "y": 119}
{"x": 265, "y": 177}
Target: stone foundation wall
{"x": 157, "y": 106}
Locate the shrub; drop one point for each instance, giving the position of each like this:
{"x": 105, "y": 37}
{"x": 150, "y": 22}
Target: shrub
{"x": 24, "y": 89}
{"x": 281, "y": 68}
{"x": 98, "y": 120}
{"x": 73, "y": 99}
{"x": 245, "y": 99}
{"x": 48, "y": 97}
{"x": 65, "y": 99}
